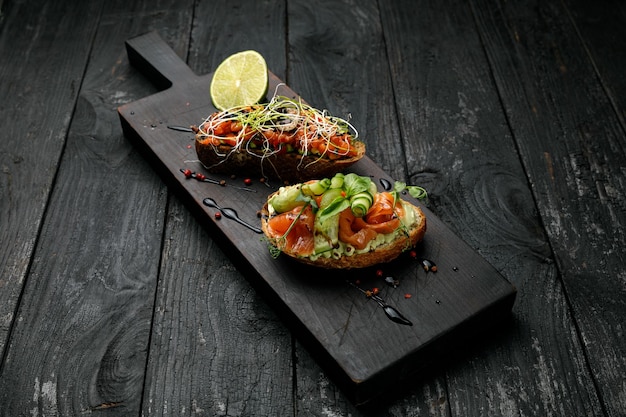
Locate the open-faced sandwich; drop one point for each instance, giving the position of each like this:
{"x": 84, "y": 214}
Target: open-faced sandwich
{"x": 284, "y": 139}
{"x": 342, "y": 222}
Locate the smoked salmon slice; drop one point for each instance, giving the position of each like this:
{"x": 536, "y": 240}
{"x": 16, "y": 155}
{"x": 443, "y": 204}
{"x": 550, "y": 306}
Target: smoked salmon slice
{"x": 297, "y": 239}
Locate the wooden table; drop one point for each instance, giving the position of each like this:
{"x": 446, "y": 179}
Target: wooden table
{"x": 115, "y": 299}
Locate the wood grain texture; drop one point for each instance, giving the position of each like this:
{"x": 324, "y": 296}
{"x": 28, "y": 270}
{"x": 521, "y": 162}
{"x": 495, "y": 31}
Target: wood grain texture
{"x": 601, "y": 30}
{"x": 113, "y": 299}
{"x": 217, "y": 347}
{"x": 318, "y": 395}
{"x": 35, "y": 59}
{"x": 212, "y": 40}
{"x": 89, "y": 298}
{"x": 572, "y": 146}
{"x": 460, "y": 147}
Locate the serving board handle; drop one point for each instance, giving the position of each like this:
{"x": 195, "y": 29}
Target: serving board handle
{"x": 157, "y": 61}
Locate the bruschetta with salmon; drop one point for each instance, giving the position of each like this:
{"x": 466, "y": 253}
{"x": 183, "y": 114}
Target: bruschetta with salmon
{"x": 342, "y": 222}
{"x": 284, "y": 139}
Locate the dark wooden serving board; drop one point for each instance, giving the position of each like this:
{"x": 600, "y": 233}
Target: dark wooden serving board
{"x": 364, "y": 351}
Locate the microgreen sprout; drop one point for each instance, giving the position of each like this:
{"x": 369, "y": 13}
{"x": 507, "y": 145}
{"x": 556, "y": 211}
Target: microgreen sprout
{"x": 281, "y": 125}
{"x": 414, "y": 191}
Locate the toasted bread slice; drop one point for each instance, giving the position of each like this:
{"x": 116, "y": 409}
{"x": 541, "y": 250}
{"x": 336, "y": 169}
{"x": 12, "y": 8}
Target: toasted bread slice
{"x": 289, "y": 167}
{"x": 386, "y": 252}
{"x": 284, "y": 139}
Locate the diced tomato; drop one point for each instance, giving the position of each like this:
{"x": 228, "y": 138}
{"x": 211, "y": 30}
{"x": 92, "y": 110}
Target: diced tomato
{"x": 229, "y": 139}
{"x": 222, "y": 128}
{"x": 204, "y": 127}
{"x": 236, "y": 126}
{"x": 210, "y": 140}
{"x": 333, "y": 152}
{"x": 248, "y": 133}
{"x": 314, "y": 145}
{"x": 268, "y": 134}
{"x": 341, "y": 144}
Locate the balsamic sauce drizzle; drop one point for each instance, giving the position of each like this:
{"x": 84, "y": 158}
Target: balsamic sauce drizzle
{"x": 230, "y": 214}
{"x": 180, "y": 128}
{"x": 391, "y": 312}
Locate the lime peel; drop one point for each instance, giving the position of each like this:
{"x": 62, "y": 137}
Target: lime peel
{"x": 240, "y": 80}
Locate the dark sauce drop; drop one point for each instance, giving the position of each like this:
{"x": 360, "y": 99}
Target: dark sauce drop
{"x": 230, "y": 214}
{"x": 180, "y": 128}
{"x": 386, "y": 184}
{"x": 391, "y": 281}
{"x": 394, "y": 315}
{"x": 428, "y": 265}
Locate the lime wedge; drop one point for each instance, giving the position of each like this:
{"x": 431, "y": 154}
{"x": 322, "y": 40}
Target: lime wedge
{"x": 240, "y": 80}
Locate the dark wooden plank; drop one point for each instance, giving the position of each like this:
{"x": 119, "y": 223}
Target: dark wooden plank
{"x": 340, "y": 63}
{"x": 332, "y": 318}
{"x": 265, "y": 32}
{"x": 464, "y": 153}
{"x": 42, "y": 66}
{"x": 217, "y": 348}
{"x": 81, "y": 339}
{"x": 573, "y": 148}
{"x": 601, "y": 28}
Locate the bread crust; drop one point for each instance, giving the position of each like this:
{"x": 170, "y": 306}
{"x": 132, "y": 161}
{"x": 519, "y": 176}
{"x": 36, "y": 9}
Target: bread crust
{"x": 381, "y": 254}
{"x": 288, "y": 167}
